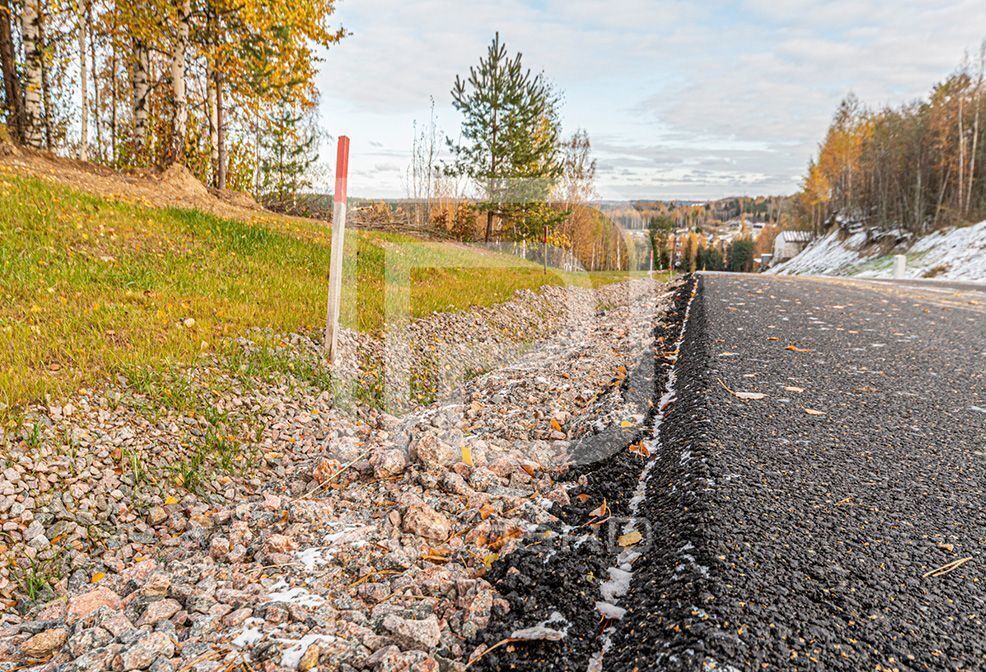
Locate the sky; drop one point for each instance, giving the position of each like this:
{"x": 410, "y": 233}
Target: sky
{"x": 691, "y": 99}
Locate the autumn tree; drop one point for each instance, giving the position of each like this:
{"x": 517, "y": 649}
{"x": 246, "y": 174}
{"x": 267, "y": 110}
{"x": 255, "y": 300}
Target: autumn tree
{"x": 916, "y": 166}
{"x": 152, "y": 82}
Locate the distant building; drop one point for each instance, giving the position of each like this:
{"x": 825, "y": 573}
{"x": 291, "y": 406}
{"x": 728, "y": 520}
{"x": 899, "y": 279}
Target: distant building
{"x": 787, "y": 244}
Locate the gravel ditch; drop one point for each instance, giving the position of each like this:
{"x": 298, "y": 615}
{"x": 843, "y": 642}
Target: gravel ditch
{"x": 563, "y": 592}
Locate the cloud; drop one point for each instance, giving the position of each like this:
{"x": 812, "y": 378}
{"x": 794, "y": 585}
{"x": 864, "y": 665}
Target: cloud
{"x": 683, "y": 99}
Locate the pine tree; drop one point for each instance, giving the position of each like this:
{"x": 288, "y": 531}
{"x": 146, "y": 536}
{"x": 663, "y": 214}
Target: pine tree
{"x": 289, "y": 150}
{"x": 510, "y": 134}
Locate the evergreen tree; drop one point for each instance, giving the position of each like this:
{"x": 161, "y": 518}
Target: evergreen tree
{"x": 289, "y": 150}
{"x": 510, "y": 135}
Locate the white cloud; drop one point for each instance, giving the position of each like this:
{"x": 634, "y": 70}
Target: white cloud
{"x": 682, "y": 98}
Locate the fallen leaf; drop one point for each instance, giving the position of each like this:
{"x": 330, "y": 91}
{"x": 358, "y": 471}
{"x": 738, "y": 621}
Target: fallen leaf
{"x": 485, "y": 511}
{"x": 631, "y": 539}
{"x": 170, "y": 500}
{"x": 812, "y": 411}
{"x": 98, "y": 576}
{"x": 773, "y": 338}
{"x": 946, "y": 547}
{"x": 794, "y": 348}
{"x": 437, "y": 555}
{"x": 501, "y": 541}
{"x": 490, "y": 558}
{"x": 467, "y": 455}
{"x": 601, "y": 511}
{"x": 582, "y": 498}
{"x": 639, "y": 448}
{"x": 798, "y": 390}
{"x": 555, "y": 425}
{"x": 745, "y": 396}
{"x": 626, "y": 423}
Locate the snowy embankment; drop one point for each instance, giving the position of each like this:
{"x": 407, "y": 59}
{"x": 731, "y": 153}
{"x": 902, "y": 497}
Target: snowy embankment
{"x": 951, "y": 254}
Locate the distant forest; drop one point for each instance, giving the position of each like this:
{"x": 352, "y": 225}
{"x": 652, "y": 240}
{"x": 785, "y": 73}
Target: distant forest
{"x": 916, "y": 167}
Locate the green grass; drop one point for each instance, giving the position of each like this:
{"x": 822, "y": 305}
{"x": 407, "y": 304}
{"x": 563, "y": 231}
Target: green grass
{"x": 92, "y": 287}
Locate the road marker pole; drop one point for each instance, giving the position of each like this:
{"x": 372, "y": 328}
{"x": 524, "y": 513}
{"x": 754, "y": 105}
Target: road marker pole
{"x": 544, "y": 249}
{"x": 900, "y": 266}
{"x": 338, "y": 240}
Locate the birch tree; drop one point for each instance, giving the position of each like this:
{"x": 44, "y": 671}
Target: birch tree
{"x": 31, "y": 38}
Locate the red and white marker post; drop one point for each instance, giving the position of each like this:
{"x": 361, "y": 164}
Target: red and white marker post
{"x": 338, "y": 240}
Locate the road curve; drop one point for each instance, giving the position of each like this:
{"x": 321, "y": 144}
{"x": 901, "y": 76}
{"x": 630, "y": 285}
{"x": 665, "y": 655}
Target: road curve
{"x": 838, "y": 522}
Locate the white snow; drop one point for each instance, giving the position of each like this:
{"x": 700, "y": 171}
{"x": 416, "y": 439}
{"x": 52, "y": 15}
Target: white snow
{"x": 251, "y": 633}
{"x": 295, "y": 649}
{"x": 542, "y": 630}
{"x": 610, "y": 611}
{"x": 281, "y": 592}
{"x": 950, "y": 254}
{"x": 617, "y": 586}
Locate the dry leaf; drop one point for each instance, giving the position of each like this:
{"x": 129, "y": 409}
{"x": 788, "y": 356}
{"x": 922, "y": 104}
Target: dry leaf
{"x": 812, "y": 411}
{"x": 630, "y": 539}
{"x": 749, "y": 396}
{"x": 555, "y": 425}
{"x": 582, "y": 498}
{"x": 946, "y": 547}
{"x": 489, "y": 559}
{"x": 773, "y": 338}
{"x": 467, "y": 455}
{"x": 745, "y": 396}
{"x": 501, "y": 541}
{"x": 170, "y": 500}
{"x": 601, "y": 511}
{"x": 639, "y": 448}
{"x": 794, "y": 348}
{"x": 485, "y": 511}
{"x": 798, "y": 390}
{"x": 98, "y": 576}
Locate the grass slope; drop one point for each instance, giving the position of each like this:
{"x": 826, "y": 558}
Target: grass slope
{"x": 92, "y": 287}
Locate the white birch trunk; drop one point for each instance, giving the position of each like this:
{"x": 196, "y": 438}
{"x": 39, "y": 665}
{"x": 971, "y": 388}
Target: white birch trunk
{"x": 210, "y": 96}
{"x": 140, "y": 95}
{"x": 83, "y": 86}
{"x": 180, "y": 129}
{"x": 30, "y": 34}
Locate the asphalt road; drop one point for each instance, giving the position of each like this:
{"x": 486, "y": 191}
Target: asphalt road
{"x": 803, "y": 530}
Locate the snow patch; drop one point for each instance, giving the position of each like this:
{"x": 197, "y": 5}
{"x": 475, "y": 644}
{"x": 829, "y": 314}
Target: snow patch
{"x": 950, "y": 254}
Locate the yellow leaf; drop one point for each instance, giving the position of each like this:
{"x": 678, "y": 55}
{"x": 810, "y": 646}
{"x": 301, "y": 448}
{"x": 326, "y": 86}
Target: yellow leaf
{"x": 170, "y": 500}
{"x": 631, "y": 539}
{"x": 488, "y": 560}
{"x": 555, "y": 425}
{"x": 98, "y": 576}
{"x": 601, "y": 511}
{"x": 467, "y": 455}
{"x": 794, "y": 348}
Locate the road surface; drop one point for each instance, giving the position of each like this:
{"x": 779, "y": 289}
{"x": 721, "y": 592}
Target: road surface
{"x": 838, "y": 522}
